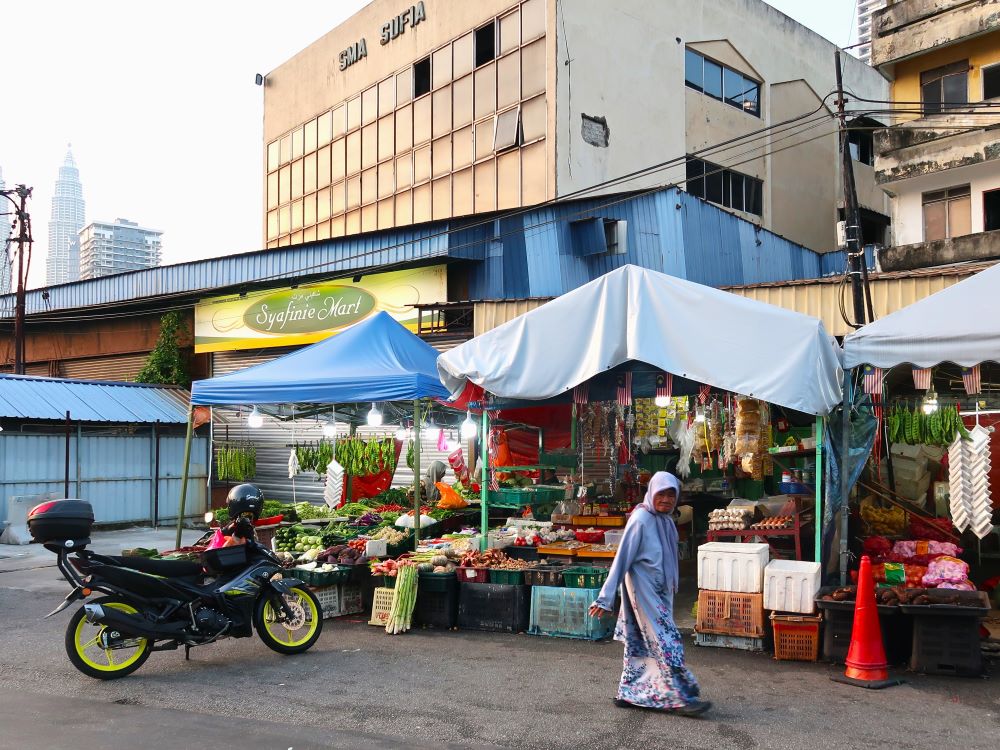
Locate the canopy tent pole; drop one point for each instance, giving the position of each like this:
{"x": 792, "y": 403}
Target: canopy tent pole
{"x": 184, "y": 475}
{"x": 844, "y": 488}
{"x": 484, "y": 482}
{"x": 416, "y": 473}
{"x": 818, "y": 513}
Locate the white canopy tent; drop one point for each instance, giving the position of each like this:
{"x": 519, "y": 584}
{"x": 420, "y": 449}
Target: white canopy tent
{"x": 960, "y": 324}
{"x": 680, "y": 327}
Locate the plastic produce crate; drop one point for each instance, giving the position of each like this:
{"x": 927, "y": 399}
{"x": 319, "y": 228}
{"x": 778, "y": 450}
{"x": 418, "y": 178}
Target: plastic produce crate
{"x": 473, "y": 575}
{"x": 796, "y": 637}
{"x": 545, "y": 575}
{"x": 314, "y": 578}
{"x": 838, "y": 624}
{"x": 729, "y": 641}
{"x": 590, "y": 537}
{"x": 329, "y": 599}
{"x": 549, "y": 494}
{"x": 436, "y": 581}
{"x": 563, "y": 613}
{"x": 522, "y": 553}
{"x": 381, "y": 607}
{"x": 613, "y": 536}
{"x": 351, "y": 599}
{"x": 437, "y": 609}
{"x": 585, "y": 577}
{"x": 728, "y": 613}
{"x": 509, "y": 577}
{"x": 613, "y": 522}
{"x": 494, "y": 607}
{"x": 509, "y": 497}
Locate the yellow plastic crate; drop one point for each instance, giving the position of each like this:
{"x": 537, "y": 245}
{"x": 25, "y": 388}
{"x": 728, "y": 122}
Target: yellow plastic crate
{"x": 610, "y": 521}
{"x": 381, "y": 607}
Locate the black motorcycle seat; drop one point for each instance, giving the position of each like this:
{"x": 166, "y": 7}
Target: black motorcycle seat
{"x": 165, "y": 568}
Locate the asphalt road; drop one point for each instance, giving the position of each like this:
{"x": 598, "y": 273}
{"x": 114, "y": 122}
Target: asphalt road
{"x": 361, "y": 688}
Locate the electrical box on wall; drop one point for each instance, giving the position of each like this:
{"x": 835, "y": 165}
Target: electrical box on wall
{"x": 841, "y": 234}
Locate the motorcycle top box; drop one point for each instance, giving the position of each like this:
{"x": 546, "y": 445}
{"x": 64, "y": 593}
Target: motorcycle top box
{"x": 58, "y": 520}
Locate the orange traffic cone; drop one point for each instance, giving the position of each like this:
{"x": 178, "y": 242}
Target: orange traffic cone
{"x": 866, "y": 663}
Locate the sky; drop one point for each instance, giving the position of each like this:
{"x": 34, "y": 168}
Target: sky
{"x": 159, "y": 103}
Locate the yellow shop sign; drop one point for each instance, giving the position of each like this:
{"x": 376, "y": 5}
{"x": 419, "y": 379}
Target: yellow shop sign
{"x": 311, "y": 312}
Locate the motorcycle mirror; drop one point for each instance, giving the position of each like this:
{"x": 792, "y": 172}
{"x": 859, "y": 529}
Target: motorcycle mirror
{"x": 209, "y": 517}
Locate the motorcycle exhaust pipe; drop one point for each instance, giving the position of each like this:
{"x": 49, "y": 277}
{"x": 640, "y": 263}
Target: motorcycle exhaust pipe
{"x": 130, "y": 625}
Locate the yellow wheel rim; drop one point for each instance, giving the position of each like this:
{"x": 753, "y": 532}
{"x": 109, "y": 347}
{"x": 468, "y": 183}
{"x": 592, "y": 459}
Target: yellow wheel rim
{"x": 87, "y": 640}
{"x": 301, "y": 628}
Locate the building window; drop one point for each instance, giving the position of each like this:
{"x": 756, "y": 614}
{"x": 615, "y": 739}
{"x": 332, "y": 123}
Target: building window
{"x": 724, "y": 186}
{"x": 862, "y": 146}
{"x": 421, "y": 77}
{"x": 486, "y": 43}
{"x": 721, "y": 82}
{"x": 945, "y": 88}
{"x": 947, "y": 213}
{"x": 991, "y": 210}
{"x": 508, "y": 132}
{"x": 991, "y": 82}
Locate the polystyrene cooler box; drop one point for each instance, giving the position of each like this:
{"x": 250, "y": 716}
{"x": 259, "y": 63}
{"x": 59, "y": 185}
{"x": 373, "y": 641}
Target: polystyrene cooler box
{"x": 731, "y": 566}
{"x": 791, "y": 586}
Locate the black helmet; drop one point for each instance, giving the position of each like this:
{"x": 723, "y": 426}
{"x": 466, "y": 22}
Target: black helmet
{"x": 245, "y": 499}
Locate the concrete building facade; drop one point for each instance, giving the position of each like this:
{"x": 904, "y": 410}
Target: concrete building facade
{"x": 62, "y": 264}
{"x": 107, "y": 248}
{"x": 866, "y": 9}
{"x": 432, "y": 111}
{"x": 940, "y": 160}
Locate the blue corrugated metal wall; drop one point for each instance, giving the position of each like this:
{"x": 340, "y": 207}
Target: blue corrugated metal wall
{"x": 668, "y": 231}
{"x": 114, "y": 473}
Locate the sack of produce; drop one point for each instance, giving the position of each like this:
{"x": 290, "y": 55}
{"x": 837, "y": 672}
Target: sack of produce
{"x": 946, "y": 570}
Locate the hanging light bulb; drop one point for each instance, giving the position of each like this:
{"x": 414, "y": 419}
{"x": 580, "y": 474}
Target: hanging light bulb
{"x": 432, "y": 430}
{"x": 469, "y": 428}
{"x": 330, "y": 428}
{"x": 662, "y": 401}
{"x": 256, "y": 419}
{"x": 374, "y": 417}
{"x": 930, "y": 402}
{"x": 699, "y": 414}
{"x": 401, "y": 433}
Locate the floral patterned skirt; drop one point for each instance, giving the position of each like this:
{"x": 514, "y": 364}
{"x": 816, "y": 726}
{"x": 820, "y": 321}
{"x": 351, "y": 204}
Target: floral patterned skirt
{"x": 654, "y": 674}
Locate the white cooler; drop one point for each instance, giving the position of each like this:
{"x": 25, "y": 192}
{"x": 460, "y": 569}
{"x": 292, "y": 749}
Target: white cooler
{"x": 732, "y": 566}
{"x": 791, "y": 586}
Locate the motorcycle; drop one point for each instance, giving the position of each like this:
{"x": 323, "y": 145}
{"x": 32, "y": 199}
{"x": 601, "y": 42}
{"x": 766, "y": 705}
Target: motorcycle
{"x": 160, "y": 605}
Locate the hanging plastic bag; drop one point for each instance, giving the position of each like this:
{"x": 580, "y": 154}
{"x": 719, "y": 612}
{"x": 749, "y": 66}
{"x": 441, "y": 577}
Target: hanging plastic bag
{"x": 218, "y": 539}
{"x": 457, "y": 462}
{"x": 450, "y": 500}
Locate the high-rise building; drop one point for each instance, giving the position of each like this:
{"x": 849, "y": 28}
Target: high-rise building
{"x": 107, "y": 248}
{"x": 865, "y": 10}
{"x": 5, "y": 273}
{"x": 63, "y": 261}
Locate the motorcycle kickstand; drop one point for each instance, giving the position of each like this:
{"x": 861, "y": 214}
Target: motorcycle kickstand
{"x": 187, "y": 652}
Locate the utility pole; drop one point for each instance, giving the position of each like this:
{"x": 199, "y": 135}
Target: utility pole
{"x": 24, "y": 240}
{"x": 857, "y": 265}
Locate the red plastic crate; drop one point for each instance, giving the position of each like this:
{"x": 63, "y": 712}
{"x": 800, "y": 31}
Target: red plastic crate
{"x": 796, "y": 637}
{"x": 590, "y": 537}
{"x": 473, "y": 575}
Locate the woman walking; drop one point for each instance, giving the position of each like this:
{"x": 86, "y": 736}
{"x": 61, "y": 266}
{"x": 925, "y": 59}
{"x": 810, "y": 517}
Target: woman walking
{"x": 654, "y": 676}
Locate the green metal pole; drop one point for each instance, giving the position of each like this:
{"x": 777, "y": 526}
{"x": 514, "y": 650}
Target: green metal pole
{"x": 484, "y": 482}
{"x": 416, "y": 473}
{"x": 818, "y": 520}
{"x": 184, "y": 475}
{"x": 572, "y": 430}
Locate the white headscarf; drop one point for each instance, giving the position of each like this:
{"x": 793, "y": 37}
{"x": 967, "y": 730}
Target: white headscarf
{"x": 665, "y": 526}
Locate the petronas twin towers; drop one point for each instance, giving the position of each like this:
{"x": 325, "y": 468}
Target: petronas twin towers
{"x": 63, "y": 262}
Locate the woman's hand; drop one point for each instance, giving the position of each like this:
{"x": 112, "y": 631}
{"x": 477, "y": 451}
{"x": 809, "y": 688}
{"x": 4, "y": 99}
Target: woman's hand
{"x": 596, "y": 611}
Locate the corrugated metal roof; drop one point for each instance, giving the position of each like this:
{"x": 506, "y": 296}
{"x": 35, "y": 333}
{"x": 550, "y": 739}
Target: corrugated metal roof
{"x": 822, "y": 298}
{"x": 26, "y": 397}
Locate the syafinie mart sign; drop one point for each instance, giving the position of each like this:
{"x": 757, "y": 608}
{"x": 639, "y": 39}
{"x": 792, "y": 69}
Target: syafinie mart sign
{"x": 310, "y": 313}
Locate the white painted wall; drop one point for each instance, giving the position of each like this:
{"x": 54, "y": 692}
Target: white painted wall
{"x": 625, "y": 61}
{"x": 908, "y": 215}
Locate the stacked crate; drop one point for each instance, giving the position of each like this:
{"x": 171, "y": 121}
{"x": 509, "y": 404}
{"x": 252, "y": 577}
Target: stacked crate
{"x": 730, "y": 596}
{"x": 790, "y": 588}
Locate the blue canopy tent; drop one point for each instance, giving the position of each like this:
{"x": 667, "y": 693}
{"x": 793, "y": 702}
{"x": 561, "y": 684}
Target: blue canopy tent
{"x": 375, "y": 360}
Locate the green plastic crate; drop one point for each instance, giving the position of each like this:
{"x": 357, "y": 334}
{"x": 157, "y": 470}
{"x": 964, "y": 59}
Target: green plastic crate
{"x": 511, "y": 497}
{"x": 545, "y": 494}
{"x": 565, "y": 613}
{"x": 507, "y": 577}
{"x": 316, "y": 578}
{"x": 585, "y": 577}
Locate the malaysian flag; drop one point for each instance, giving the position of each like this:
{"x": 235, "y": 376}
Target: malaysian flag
{"x": 664, "y": 385}
{"x": 922, "y": 378}
{"x": 625, "y": 389}
{"x": 581, "y": 394}
{"x": 973, "y": 383}
{"x": 703, "y": 393}
{"x": 873, "y": 380}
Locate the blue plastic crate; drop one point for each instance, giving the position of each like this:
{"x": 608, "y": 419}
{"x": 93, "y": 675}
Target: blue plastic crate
{"x": 562, "y": 613}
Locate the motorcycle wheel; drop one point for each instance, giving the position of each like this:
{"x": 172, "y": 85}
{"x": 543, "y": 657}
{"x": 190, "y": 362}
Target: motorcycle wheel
{"x": 297, "y": 635}
{"x": 86, "y": 653}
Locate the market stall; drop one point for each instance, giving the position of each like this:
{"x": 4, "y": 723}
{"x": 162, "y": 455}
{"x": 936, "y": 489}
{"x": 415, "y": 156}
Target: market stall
{"x": 377, "y": 361}
{"x": 927, "y": 495}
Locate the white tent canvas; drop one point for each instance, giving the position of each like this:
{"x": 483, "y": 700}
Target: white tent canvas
{"x": 683, "y": 328}
{"x": 960, "y": 324}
